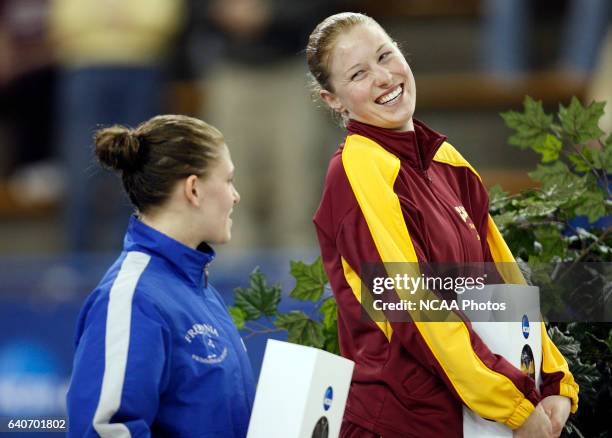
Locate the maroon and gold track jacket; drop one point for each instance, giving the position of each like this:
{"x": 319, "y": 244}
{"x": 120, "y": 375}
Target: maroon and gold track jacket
{"x": 401, "y": 197}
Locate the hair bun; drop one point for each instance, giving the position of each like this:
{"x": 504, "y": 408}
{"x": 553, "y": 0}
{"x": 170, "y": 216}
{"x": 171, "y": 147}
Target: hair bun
{"x": 118, "y": 148}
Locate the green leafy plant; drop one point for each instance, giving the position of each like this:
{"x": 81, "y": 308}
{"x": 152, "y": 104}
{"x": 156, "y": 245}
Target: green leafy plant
{"x": 256, "y": 308}
{"x": 537, "y": 225}
{"x": 574, "y": 166}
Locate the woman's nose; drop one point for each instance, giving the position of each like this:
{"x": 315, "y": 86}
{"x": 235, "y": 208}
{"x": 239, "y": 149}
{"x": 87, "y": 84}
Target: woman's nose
{"x": 383, "y": 76}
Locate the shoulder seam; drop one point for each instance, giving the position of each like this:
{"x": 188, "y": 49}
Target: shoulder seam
{"x": 460, "y": 160}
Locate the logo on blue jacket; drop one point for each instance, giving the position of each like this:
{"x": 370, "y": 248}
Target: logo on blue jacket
{"x": 329, "y": 396}
{"x": 525, "y": 325}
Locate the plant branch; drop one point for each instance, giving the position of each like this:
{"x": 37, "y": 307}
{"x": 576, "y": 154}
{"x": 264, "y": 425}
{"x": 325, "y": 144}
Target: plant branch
{"x": 253, "y": 332}
{"x": 586, "y": 251}
{"x": 605, "y": 172}
{"x": 259, "y": 325}
{"x": 526, "y": 225}
{"x": 588, "y": 162}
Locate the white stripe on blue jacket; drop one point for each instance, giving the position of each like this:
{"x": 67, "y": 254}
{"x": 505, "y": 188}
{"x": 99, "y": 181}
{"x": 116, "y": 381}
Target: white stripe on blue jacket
{"x": 157, "y": 353}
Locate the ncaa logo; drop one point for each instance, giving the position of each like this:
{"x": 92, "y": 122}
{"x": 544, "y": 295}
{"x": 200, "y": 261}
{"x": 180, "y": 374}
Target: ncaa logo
{"x": 329, "y": 396}
{"x": 525, "y": 326}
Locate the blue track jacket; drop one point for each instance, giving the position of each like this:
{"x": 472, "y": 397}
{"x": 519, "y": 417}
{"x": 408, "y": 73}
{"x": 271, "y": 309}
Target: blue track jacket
{"x": 157, "y": 353}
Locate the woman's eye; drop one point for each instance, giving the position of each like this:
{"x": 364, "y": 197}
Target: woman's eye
{"x": 384, "y": 56}
{"x": 357, "y": 75}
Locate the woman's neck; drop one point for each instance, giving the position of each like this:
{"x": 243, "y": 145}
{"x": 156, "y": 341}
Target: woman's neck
{"x": 169, "y": 224}
{"x": 408, "y": 126}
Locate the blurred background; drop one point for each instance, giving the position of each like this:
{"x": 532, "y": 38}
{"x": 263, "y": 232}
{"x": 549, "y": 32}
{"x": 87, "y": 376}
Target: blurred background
{"x": 70, "y": 66}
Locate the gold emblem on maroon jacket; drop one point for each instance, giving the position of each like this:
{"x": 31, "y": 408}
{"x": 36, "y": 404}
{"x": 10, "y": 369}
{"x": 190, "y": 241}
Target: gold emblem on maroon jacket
{"x": 460, "y": 209}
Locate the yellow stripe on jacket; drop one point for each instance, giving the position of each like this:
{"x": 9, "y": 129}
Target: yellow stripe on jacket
{"x": 552, "y": 359}
{"x": 371, "y": 171}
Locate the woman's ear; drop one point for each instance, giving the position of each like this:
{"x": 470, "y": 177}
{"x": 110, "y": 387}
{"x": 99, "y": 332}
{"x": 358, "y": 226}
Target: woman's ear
{"x": 192, "y": 190}
{"x": 331, "y": 100}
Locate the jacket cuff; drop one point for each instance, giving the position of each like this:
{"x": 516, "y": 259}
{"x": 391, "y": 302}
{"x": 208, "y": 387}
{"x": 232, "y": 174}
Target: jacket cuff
{"x": 520, "y": 414}
{"x": 571, "y": 392}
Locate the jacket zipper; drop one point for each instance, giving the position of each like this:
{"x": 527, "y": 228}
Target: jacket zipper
{"x": 422, "y": 165}
{"x": 216, "y": 321}
{"x": 441, "y": 202}
{"x": 205, "y": 270}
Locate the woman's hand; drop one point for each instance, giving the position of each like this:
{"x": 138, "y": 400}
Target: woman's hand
{"x": 537, "y": 425}
{"x": 557, "y": 408}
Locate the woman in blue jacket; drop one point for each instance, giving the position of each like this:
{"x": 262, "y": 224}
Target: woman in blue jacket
{"x": 157, "y": 353}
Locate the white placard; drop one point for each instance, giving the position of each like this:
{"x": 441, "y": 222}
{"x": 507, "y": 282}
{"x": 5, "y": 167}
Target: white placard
{"x": 512, "y": 340}
{"x": 300, "y": 389}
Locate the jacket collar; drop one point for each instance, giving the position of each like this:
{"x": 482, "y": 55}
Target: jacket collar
{"x": 416, "y": 147}
{"x": 187, "y": 262}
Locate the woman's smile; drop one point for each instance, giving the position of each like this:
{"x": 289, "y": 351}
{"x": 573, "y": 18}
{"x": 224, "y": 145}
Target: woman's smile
{"x": 391, "y": 97}
{"x": 372, "y": 82}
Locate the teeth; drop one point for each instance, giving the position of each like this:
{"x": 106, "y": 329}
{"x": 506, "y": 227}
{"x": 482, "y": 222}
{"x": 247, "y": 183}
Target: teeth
{"x": 388, "y": 97}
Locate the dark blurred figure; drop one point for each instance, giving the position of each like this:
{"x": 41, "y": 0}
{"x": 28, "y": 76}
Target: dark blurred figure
{"x": 112, "y": 55}
{"x": 27, "y": 85}
{"x": 257, "y": 96}
{"x": 509, "y": 34}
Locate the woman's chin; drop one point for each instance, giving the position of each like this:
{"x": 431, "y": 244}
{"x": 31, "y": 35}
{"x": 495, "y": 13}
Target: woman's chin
{"x": 225, "y": 239}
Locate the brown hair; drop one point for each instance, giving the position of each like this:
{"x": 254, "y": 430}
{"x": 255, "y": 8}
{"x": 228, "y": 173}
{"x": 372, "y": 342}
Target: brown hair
{"x": 159, "y": 152}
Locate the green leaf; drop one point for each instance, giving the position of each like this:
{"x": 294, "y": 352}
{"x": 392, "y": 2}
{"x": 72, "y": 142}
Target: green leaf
{"x": 331, "y": 340}
{"x": 328, "y": 309}
{"x": 592, "y": 205}
{"x": 563, "y": 195}
{"x": 553, "y": 244}
{"x": 567, "y": 345}
{"x": 258, "y": 299}
{"x": 581, "y": 123}
{"x": 549, "y": 148}
{"x": 330, "y": 325}
{"x": 531, "y": 126}
{"x": 556, "y": 175}
{"x": 580, "y": 164}
{"x": 586, "y": 375}
{"x": 505, "y": 219}
{"x": 520, "y": 241}
{"x": 602, "y": 158}
{"x": 301, "y": 329}
{"x": 310, "y": 280}
{"x": 540, "y": 208}
{"x": 238, "y": 316}
{"x": 498, "y": 198}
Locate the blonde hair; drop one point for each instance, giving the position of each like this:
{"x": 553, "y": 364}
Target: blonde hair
{"x": 320, "y": 45}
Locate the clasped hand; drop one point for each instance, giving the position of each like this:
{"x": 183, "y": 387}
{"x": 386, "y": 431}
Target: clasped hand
{"x": 547, "y": 420}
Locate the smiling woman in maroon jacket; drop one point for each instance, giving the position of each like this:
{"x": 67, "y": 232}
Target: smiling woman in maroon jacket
{"x": 396, "y": 191}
